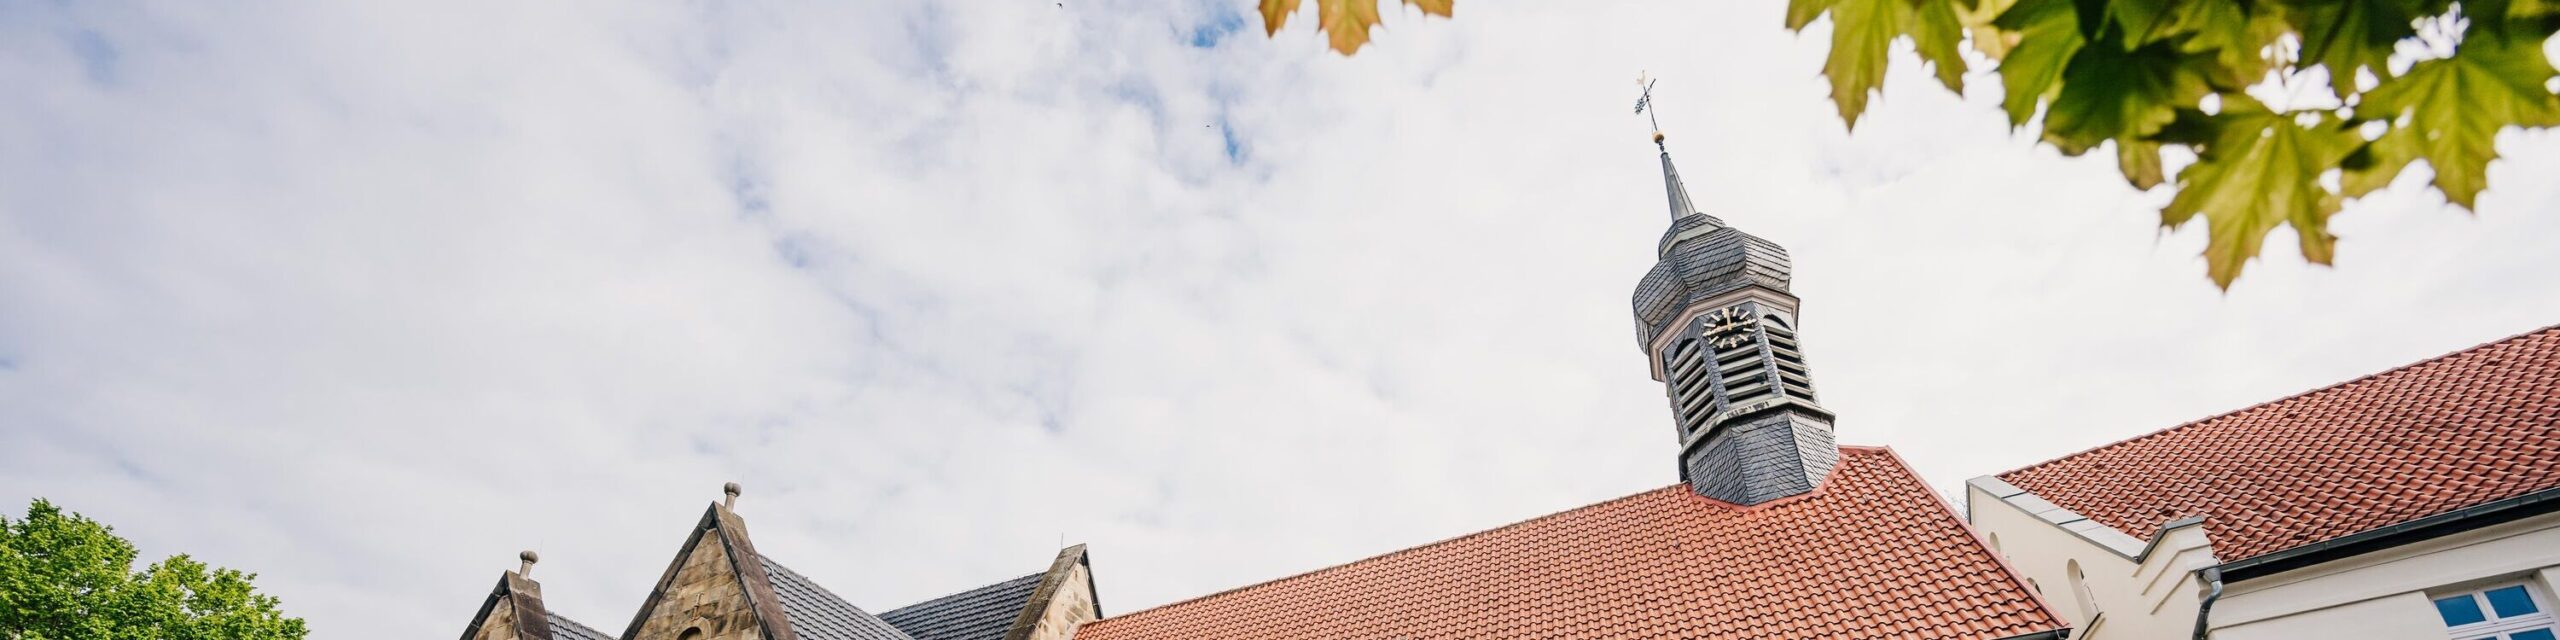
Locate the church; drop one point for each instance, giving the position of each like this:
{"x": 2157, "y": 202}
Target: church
{"x": 1774, "y": 530}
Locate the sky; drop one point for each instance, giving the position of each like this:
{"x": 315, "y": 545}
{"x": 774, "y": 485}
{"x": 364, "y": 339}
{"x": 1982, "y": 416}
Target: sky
{"x": 367, "y": 297}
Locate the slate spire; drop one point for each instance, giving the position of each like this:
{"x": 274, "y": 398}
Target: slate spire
{"x": 1717, "y": 320}
{"x": 1680, "y": 205}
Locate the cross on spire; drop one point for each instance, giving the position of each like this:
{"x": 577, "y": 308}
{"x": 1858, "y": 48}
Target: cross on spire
{"x": 1646, "y": 100}
{"x": 1681, "y": 207}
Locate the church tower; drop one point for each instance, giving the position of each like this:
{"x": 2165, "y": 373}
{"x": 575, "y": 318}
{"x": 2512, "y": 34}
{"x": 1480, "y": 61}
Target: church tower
{"x": 1715, "y": 319}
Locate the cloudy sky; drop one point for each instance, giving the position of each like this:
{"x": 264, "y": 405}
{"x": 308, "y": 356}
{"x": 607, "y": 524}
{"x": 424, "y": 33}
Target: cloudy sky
{"x": 366, "y": 297}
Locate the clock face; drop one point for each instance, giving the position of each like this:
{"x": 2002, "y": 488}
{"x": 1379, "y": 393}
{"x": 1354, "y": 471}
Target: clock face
{"x": 1729, "y": 327}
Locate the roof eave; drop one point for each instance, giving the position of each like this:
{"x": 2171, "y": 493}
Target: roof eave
{"x": 2393, "y": 535}
{"x": 2062, "y": 633}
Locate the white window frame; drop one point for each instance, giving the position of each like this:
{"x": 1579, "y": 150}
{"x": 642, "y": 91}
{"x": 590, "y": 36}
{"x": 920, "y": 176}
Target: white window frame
{"x": 2495, "y": 627}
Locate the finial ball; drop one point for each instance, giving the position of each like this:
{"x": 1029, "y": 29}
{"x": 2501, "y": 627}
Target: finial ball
{"x": 529, "y": 557}
{"x": 731, "y": 489}
{"x": 1657, "y": 137}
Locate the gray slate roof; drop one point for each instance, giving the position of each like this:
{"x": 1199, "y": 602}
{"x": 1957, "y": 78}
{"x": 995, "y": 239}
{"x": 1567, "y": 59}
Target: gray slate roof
{"x": 984, "y": 613}
{"x": 817, "y": 614}
{"x": 566, "y": 629}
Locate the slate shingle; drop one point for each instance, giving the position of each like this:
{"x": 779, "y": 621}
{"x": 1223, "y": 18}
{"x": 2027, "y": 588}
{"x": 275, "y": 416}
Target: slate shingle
{"x": 563, "y": 628}
{"x": 817, "y": 614}
{"x": 984, "y": 613}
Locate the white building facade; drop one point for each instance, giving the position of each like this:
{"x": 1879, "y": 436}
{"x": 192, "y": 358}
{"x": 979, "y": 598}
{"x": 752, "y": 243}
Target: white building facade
{"x": 2421, "y": 503}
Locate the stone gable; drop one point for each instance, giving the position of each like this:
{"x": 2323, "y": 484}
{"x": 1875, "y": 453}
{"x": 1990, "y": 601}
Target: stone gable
{"x": 705, "y": 595}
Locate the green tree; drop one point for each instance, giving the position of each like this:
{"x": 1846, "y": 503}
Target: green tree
{"x": 63, "y": 576}
{"x": 2288, "y": 107}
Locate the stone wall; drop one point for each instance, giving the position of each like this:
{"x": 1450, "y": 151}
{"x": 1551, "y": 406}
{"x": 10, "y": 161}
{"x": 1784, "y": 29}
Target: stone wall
{"x": 501, "y": 623}
{"x": 1070, "y": 607}
{"x": 705, "y": 594}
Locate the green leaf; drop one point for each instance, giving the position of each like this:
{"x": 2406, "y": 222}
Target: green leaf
{"x": 1802, "y": 12}
{"x": 2377, "y": 163}
{"x": 2048, "y": 35}
{"x": 2457, "y": 105}
{"x": 2140, "y": 19}
{"x": 2346, "y": 35}
{"x": 2093, "y": 16}
{"x": 2109, "y": 93}
{"x": 2139, "y": 160}
{"x": 1987, "y": 38}
{"x": 1937, "y": 33}
{"x": 1862, "y": 32}
{"x": 2262, "y": 170}
{"x": 2237, "y": 38}
{"x": 66, "y": 576}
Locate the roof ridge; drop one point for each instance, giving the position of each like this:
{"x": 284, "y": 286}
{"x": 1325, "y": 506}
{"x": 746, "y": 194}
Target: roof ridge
{"x": 964, "y": 592}
{"x": 2004, "y": 475}
{"x": 1437, "y": 543}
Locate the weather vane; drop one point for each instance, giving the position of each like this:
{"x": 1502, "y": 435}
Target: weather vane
{"x": 1646, "y": 100}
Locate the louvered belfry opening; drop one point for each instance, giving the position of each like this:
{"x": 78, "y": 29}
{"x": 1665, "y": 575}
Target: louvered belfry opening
{"x": 1716, "y": 316}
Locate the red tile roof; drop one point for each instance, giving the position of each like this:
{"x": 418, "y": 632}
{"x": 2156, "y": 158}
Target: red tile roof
{"x": 2462, "y": 429}
{"x": 1870, "y": 554}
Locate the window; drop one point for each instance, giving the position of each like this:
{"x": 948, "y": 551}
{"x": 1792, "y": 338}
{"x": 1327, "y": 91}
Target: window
{"x": 2504, "y": 612}
{"x": 2080, "y": 591}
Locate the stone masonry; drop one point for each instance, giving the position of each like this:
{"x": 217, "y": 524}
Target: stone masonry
{"x": 1070, "y": 607}
{"x": 500, "y": 625}
{"x": 706, "y": 595}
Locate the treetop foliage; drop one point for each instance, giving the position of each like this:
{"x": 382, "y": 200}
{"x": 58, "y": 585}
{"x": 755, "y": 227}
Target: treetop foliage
{"x": 63, "y": 576}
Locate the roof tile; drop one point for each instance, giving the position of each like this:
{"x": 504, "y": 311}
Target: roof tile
{"x": 1870, "y": 554}
{"x": 2474, "y": 426}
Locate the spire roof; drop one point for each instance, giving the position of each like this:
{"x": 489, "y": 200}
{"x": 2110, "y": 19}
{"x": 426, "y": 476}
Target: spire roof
{"x": 1680, "y": 205}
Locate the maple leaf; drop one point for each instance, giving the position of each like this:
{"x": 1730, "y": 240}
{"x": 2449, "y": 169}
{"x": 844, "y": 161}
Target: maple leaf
{"x": 1862, "y": 32}
{"x": 2347, "y": 35}
{"x": 1987, "y": 38}
{"x": 2048, "y": 36}
{"x": 2109, "y": 93}
{"x": 1937, "y": 32}
{"x": 1802, "y": 12}
{"x": 2237, "y": 38}
{"x": 1275, "y": 14}
{"x": 2261, "y": 170}
{"x": 2456, "y": 106}
{"x": 1862, "y": 35}
{"x": 1345, "y": 23}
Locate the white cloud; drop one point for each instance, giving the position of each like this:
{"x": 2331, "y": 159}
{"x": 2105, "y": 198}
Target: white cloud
{"x": 367, "y": 298}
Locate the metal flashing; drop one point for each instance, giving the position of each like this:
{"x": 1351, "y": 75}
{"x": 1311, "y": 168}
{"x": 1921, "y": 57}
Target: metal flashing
{"x": 2080, "y": 526}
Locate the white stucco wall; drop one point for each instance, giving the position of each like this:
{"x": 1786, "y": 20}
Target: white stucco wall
{"x": 2149, "y": 592}
{"x": 2127, "y": 599}
{"x": 2387, "y": 595}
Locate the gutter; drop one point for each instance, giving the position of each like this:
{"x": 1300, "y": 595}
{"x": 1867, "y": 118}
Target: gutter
{"x": 2063, "y": 633}
{"x": 2369, "y": 540}
{"x": 2447, "y": 523}
{"x": 2213, "y": 591}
